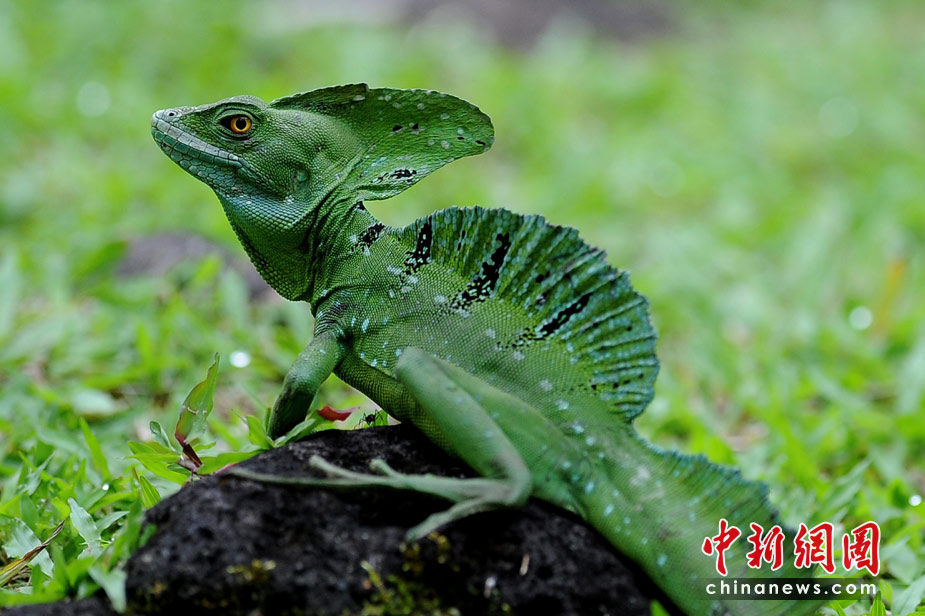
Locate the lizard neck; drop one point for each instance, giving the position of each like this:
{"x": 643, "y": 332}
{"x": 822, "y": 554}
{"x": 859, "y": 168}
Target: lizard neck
{"x": 297, "y": 249}
{"x": 335, "y": 242}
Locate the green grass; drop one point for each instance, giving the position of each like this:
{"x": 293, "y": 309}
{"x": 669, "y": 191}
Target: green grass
{"x": 761, "y": 173}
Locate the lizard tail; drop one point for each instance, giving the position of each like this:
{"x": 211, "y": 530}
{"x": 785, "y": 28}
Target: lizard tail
{"x": 663, "y": 506}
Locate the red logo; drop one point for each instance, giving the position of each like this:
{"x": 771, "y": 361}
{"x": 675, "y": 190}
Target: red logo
{"x": 769, "y": 548}
{"x": 811, "y": 546}
{"x": 861, "y": 548}
{"x": 720, "y": 543}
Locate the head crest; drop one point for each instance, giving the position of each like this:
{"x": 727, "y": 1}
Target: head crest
{"x": 404, "y": 134}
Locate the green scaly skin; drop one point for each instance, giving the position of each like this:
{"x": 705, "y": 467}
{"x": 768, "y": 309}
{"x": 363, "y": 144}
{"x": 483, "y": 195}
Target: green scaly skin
{"x": 508, "y": 341}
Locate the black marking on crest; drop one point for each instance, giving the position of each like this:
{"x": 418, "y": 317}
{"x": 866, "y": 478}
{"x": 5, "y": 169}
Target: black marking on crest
{"x": 481, "y": 286}
{"x": 561, "y": 318}
{"x": 403, "y": 173}
{"x": 553, "y": 324}
{"x": 370, "y": 234}
{"x": 421, "y": 253}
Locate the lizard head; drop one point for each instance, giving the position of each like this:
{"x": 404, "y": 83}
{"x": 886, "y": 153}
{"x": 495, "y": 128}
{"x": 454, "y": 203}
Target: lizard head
{"x": 242, "y": 146}
{"x": 359, "y": 142}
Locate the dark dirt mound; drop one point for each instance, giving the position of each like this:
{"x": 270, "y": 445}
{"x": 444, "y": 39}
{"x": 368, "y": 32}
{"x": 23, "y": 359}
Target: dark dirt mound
{"x": 230, "y": 546}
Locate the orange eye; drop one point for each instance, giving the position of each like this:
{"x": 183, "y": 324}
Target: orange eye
{"x": 239, "y": 124}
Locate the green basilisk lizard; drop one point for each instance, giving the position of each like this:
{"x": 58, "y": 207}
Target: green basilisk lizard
{"x": 507, "y": 340}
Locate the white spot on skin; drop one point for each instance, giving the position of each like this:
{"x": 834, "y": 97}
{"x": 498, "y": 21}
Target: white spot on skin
{"x": 393, "y": 270}
{"x": 374, "y": 363}
{"x": 642, "y": 475}
{"x": 608, "y": 510}
{"x": 445, "y": 145}
{"x": 562, "y": 405}
{"x": 578, "y": 428}
{"x": 590, "y": 441}
{"x": 439, "y": 299}
{"x": 444, "y": 116}
{"x": 397, "y": 352}
{"x": 365, "y": 325}
{"x": 518, "y": 355}
{"x": 490, "y": 333}
{"x": 546, "y": 385}
{"x": 353, "y": 238}
{"x": 661, "y": 560}
{"x": 589, "y": 487}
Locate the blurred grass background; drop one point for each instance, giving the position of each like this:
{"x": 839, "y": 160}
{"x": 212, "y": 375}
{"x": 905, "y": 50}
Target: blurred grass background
{"x": 760, "y": 170}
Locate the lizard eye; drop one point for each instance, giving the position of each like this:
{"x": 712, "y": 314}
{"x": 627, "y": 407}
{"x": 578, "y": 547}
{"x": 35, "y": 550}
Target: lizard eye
{"x": 238, "y": 124}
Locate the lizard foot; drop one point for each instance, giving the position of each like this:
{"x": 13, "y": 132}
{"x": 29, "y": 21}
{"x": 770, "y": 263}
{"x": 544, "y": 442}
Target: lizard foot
{"x": 470, "y": 495}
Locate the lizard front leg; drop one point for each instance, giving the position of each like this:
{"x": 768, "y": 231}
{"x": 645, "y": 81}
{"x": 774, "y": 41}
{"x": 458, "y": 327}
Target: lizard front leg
{"x": 313, "y": 365}
{"x": 448, "y": 409}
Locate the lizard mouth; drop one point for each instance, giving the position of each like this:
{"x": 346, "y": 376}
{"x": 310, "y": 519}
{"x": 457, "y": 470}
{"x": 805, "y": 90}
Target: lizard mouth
{"x": 188, "y": 150}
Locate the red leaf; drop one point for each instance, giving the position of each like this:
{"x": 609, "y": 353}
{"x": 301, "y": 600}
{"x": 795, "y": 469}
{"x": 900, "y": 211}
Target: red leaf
{"x": 333, "y": 415}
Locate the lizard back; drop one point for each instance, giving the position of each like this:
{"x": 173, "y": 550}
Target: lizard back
{"x": 540, "y": 314}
